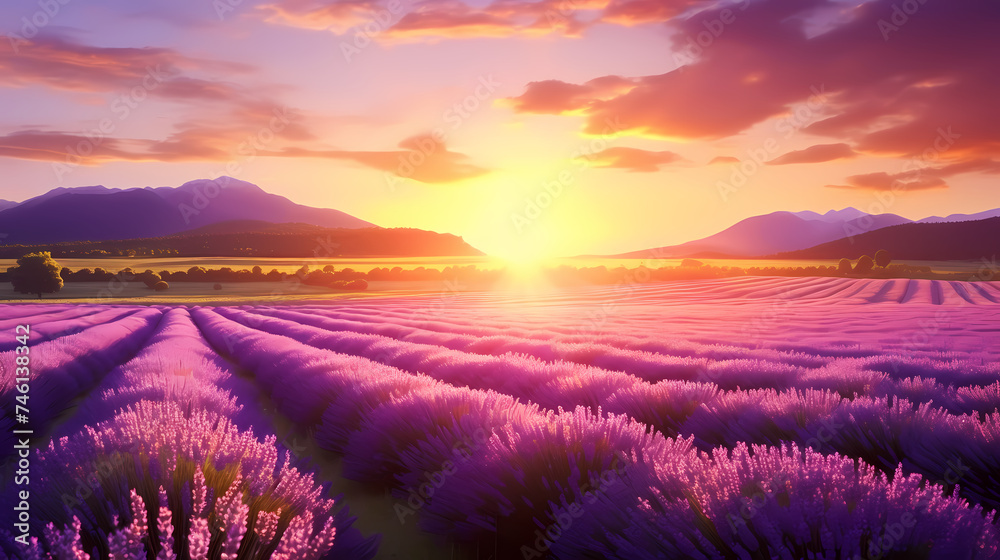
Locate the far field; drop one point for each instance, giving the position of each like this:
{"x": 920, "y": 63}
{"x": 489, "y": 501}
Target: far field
{"x": 715, "y": 412}
{"x": 138, "y": 264}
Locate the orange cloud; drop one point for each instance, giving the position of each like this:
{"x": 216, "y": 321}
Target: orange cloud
{"x": 397, "y": 19}
{"x": 633, "y": 159}
{"x": 634, "y": 12}
{"x": 883, "y": 181}
{"x": 554, "y": 97}
{"x": 816, "y": 154}
{"x": 723, "y": 159}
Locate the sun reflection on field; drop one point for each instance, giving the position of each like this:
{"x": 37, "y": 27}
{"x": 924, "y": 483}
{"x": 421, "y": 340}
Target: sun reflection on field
{"x": 525, "y": 276}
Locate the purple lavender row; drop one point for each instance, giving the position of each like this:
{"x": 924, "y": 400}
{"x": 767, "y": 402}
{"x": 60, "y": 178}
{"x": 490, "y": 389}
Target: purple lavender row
{"x": 521, "y": 473}
{"x": 151, "y": 407}
{"x": 744, "y": 368}
{"x": 393, "y": 427}
{"x": 66, "y": 368}
{"x": 944, "y": 447}
{"x": 727, "y": 418}
{"x": 51, "y": 330}
{"x": 8, "y": 312}
{"x": 767, "y": 502}
{"x": 551, "y": 385}
{"x": 783, "y": 351}
{"x": 651, "y": 359}
{"x": 64, "y": 312}
{"x": 958, "y": 386}
{"x": 176, "y": 365}
{"x": 723, "y": 418}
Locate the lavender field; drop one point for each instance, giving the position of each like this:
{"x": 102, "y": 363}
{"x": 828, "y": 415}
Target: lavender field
{"x": 746, "y": 418}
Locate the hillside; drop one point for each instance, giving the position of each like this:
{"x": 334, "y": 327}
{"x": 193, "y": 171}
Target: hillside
{"x": 773, "y": 233}
{"x": 973, "y": 240}
{"x": 281, "y": 240}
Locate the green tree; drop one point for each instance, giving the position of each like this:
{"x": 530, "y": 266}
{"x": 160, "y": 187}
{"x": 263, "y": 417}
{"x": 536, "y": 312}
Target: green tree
{"x": 882, "y": 258}
{"x": 36, "y": 273}
{"x": 844, "y": 266}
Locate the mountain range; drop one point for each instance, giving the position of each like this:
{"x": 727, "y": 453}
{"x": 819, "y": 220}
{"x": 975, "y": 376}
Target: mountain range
{"x": 776, "y": 232}
{"x": 212, "y": 212}
{"x": 920, "y": 241}
{"x": 99, "y": 213}
{"x": 836, "y": 234}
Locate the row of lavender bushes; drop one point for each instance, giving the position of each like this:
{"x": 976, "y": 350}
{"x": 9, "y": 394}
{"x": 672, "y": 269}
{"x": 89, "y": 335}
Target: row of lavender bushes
{"x": 473, "y": 464}
{"x": 66, "y": 368}
{"x": 819, "y": 415}
{"x": 163, "y": 460}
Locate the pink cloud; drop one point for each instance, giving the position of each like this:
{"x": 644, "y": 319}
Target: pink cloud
{"x": 58, "y": 63}
{"x": 905, "y": 96}
{"x": 422, "y": 158}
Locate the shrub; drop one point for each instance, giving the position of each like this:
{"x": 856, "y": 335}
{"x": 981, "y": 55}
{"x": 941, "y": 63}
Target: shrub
{"x": 149, "y": 278}
{"x": 217, "y": 287}
{"x": 161, "y": 286}
{"x": 865, "y": 264}
{"x": 844, "y": 266}
{"x": 882, "y": 258}
{"x": 357, "y": 285}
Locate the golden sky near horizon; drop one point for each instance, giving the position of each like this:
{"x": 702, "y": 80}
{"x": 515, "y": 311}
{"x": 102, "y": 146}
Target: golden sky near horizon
{"x": 530, "y": 128}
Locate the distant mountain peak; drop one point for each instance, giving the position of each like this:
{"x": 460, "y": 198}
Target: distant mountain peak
{"x": 224, "y": 182}
{"x": 843, "y": 215}
{"x": 98, "y": 213}
{"x": 778, "y": 232}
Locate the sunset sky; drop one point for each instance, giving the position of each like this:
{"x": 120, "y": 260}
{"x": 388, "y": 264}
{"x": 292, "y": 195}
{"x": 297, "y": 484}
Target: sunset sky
{"x": 548, "y": 127}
